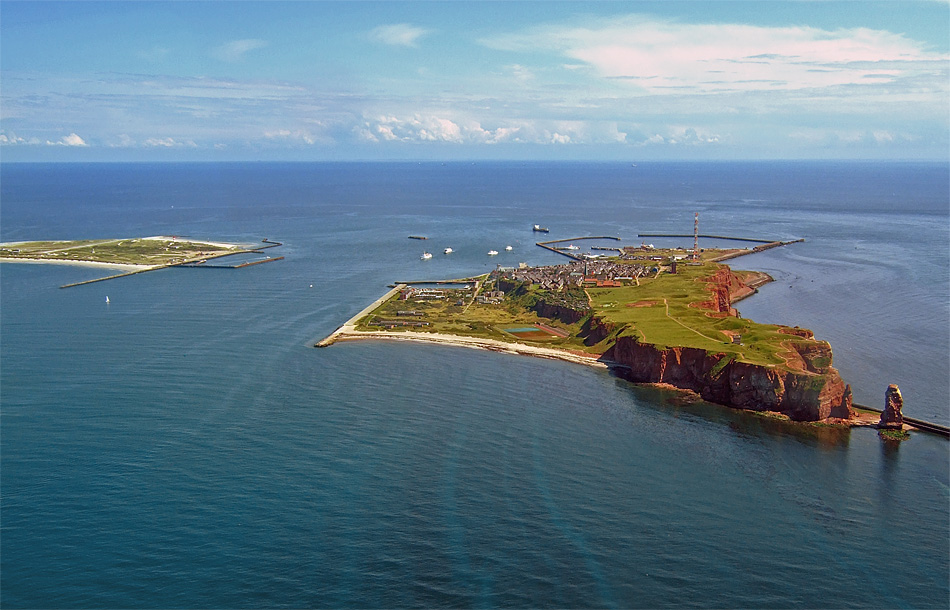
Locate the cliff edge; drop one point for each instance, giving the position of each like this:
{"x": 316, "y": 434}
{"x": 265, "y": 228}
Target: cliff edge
{"x": 719, "y": 378}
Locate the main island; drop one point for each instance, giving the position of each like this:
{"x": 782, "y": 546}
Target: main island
{"x": 655, "y": 315}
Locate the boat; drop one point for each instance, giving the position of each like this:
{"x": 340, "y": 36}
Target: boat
{"x": 540, "y": 229}
{"x": 508, "y": 248}
{"x": 425, "y": 256}
{"x": 418, "y": 237}
{"x": 449, "y": 250}
{"x": 572, "y": 247}
{"x": 107, "y": 299}
{"x": 492, "y": 252}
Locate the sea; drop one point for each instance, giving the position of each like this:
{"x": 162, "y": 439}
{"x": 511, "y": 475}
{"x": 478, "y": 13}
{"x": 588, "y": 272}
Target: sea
{"x": 182, "y": 444}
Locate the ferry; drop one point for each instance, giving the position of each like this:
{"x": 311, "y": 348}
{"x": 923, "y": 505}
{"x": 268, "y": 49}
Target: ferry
{"x": 425, "y": 256}
{"x": 540, "y": 229}
{"x": 492, "y": 252}
{"x": 508, "y": 248}
{"x": 448, "y": 250}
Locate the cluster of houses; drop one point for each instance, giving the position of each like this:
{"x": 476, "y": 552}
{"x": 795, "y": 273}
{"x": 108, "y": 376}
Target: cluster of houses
{"x": 425, "y": 294}
{"x": 578, "y": 273}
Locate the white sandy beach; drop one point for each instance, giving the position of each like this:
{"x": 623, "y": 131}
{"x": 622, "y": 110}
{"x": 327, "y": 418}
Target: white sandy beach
{"x": 78, "y": 263}
{"x": 217, "y": 244}
{"x": 348, "y": 334}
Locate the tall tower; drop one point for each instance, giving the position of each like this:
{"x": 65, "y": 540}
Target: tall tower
{"x": 696, "y": 238}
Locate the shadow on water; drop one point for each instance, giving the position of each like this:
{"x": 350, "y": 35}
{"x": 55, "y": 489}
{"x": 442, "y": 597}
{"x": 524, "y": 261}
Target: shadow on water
{"x": 682, "y": 404}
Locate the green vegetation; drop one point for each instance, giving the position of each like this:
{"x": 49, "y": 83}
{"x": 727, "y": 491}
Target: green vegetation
{"x": 138, "y": 251}
{"x": 663, "y": 309}
{"x": 453, "y": 310}
{"x": 894, "y": 435}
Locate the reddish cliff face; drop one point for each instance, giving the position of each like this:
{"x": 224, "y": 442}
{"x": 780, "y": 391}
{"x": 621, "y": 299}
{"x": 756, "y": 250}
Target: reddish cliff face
{"x": 803, "y": 396}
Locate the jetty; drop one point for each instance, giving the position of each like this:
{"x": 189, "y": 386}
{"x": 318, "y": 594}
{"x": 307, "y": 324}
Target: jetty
{"x": 547, "y": 245}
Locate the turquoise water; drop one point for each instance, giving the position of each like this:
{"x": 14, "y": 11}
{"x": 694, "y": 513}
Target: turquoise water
{"x": 184, "y": 446}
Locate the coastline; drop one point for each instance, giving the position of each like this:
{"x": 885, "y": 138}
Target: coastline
{"x": 493, "y": 345}
{"x": 79, "y": 263}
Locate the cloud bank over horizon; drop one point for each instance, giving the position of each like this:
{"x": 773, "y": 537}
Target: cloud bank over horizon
{"x": 610, "y": 85}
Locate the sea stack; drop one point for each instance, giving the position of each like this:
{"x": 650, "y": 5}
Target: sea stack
{"x": 892, "y": 418}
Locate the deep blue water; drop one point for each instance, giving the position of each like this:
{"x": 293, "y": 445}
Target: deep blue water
{"x": 183, "y": 446}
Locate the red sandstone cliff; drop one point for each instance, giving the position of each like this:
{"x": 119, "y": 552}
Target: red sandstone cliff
{"x": 803, "y": 396}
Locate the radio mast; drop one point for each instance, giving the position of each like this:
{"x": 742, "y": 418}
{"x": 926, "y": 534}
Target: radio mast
{"x": 696, "y": 238}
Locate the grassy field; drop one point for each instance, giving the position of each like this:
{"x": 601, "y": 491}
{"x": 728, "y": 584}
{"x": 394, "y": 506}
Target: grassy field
{"x": 659, "y": 311}
{"x": 144, "y": 251}
{"x": 459, "y": 314}
{"x": 662, "y": 310}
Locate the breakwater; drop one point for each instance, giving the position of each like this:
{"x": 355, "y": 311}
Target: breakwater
{"x": 924, "y": 426}
{"x": 200, "y": 262}
{"x": 707, "y": 236}
{"x": 546, "y": 245}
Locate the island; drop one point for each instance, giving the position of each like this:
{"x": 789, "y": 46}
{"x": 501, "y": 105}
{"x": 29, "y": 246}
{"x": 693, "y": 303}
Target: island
{"x": 131, "y": 254}
{"x": 659, "y": 316}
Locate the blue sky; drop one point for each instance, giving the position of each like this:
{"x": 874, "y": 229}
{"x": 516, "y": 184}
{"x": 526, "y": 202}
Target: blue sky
{"x": 474, "y": 80}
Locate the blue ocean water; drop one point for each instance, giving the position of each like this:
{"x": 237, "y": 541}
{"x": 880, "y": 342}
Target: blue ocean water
{"x": 184, "y": 446}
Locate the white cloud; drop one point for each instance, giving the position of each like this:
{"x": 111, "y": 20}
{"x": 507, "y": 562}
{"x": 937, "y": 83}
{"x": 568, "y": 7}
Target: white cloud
{"x": 70, "y": 140}
{"x": 291, "y": 135}
{"x": 398, "y": 34}
{"x": 464, "y": 130}
{"x": 237, "y": 49}
{"x": 666, "y": 57}
{"x": 168, "y": 143}
{"x": 8, "y": 139}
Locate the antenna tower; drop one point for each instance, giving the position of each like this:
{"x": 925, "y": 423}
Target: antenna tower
{"x": 696, "y": 238}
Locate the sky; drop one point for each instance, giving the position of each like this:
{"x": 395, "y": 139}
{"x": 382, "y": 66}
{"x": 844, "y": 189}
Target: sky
{"x": 309, "y": 80}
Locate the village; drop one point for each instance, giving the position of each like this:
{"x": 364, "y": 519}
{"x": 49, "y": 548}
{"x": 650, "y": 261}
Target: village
{"x": 598, "y": 273}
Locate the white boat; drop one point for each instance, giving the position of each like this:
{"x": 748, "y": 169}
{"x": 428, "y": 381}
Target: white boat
{"x": 508, "y": 248}
{"x": 540, "y": 229}
{"x": 449, "y": 250}
{"x": 107, "y": 299}
{"x": 572, "y": 247}
{"x": 492, "y": 252}
{"x": 425, "y": 256}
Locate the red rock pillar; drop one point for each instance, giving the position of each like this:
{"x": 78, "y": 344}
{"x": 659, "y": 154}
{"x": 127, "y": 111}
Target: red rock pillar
{"x": 893, "y": 404}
